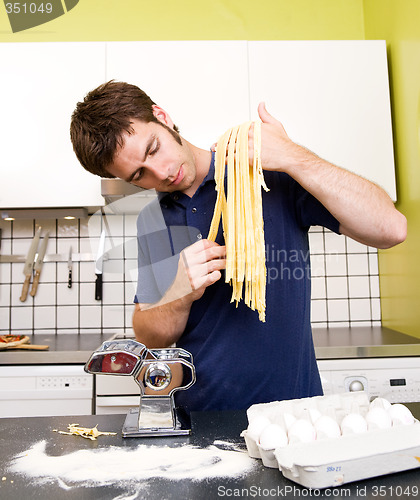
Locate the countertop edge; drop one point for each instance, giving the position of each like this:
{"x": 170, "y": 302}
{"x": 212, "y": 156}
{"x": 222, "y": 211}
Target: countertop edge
{"x": 45, "y": 357}
{"x": 371, "y": 351}
{"x": 330, "y": 343}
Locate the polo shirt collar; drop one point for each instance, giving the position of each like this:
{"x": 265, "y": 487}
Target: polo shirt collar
{"x": 208, "y": 178}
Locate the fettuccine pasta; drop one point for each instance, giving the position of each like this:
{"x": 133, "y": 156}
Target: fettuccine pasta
{"x": 241, "y": 212}
{"x": 85, "y": 432}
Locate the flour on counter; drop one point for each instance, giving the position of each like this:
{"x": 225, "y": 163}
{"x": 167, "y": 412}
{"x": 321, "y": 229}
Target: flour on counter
{"x": 227, "y": 445}
{"x": 106, "y": 466}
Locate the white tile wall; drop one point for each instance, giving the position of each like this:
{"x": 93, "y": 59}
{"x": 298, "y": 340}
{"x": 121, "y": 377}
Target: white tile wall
{"x": 338, "y": 311}
{"x": 337, "y": 287}
{"x": 345, "y": 281}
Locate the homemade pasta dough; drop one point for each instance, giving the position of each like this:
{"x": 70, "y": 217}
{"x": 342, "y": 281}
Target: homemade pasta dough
{"x": 241, "y": 212}
{"x": 86, "y": 432}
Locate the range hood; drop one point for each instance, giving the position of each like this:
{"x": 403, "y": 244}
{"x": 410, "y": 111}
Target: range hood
{"x": 124, "y": 198}
{"x": 115, "y": 189}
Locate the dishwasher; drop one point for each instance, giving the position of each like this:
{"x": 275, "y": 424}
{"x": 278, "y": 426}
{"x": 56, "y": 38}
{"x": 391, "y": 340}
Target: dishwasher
{"x": 45, "y": 390}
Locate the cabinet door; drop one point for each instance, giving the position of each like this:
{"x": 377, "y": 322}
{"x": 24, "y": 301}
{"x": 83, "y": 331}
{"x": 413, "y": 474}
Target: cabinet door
{"x": 332, "y": 97}
{"x": 40, "y": 85}
{"x": 202, "y": 84}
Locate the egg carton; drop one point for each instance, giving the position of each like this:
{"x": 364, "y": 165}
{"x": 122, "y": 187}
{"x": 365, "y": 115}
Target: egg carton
{"x": 330, "y": 462}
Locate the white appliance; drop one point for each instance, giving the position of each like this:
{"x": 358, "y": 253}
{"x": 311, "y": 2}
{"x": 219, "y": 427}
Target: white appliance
{"x": 45, "y": 390}
{"x": 394, "y": 378}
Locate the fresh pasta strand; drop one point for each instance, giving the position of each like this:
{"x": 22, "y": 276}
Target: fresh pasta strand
{"x": 241, "y": 212}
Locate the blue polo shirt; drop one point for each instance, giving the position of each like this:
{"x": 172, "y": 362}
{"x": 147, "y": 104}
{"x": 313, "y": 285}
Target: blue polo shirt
{"x": 239, "y": 360}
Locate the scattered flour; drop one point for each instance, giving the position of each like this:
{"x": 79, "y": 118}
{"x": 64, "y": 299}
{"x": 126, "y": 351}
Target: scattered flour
{"x": 129, "y": 466}
{"x": 228, "y": 445}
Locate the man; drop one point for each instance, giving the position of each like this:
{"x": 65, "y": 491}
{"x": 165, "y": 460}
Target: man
{"x": 117, "y": 131}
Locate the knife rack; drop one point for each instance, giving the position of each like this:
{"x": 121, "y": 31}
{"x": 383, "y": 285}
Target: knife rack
{"x": 54, "y": 257}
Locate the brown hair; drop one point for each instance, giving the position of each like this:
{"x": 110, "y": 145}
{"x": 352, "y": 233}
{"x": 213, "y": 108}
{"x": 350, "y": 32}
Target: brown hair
{"x": 99, "y": 121}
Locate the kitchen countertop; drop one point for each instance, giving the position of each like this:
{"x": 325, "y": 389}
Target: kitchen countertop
{"x": 363, "y": 342}
{"x": 17, "y": 435}
{"x": 64, "y": 349}
{"x": 330, "y": 343}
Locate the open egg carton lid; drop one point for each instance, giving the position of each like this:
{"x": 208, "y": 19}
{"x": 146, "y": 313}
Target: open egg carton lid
{"x": 324, "y": 461}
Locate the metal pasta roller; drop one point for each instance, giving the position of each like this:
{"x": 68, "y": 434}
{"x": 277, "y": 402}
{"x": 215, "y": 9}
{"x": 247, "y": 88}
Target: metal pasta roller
{"x": 159, "y": 373}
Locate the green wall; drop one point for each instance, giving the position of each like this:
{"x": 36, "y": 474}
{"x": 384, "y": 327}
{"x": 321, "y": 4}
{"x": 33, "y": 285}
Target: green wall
{"x": 198, "y": 19}
{"x": 398, "y": 22}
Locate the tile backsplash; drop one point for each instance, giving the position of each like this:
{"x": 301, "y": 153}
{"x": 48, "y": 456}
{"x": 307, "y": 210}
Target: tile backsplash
{"x": 345, "y": 279}
{"x": 56, "y": 307}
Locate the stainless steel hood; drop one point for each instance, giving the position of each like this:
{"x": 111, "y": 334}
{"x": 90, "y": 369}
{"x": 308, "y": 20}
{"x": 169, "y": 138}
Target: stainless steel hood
{"x": 124, "y": 198}
{"x": 115, "y": 189}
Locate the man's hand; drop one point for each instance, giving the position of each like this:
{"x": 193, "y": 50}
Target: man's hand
{"x": 162, "y": 323}
{"x": 201, "y": 263}
{"x": 278, "y": 151}
{"x": 199, "y": 266}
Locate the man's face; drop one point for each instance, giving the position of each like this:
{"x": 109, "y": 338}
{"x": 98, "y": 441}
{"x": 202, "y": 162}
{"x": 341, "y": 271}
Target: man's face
{"x": 152, "y": 158}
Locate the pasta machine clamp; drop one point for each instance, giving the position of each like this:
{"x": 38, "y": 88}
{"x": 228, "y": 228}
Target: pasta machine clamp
{"x": 159, "y": 373}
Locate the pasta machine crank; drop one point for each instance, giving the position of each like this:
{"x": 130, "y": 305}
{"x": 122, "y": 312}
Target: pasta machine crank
{"x": 154, "y": 371}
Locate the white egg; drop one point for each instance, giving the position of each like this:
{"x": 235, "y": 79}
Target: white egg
{"x": 326, "y": 427}
{"x": 380, "y": 403}
{"x": 378, "y": 418}
{"x": 314, "y": 414}
{"x": 272, "y": 437}
{"x": 256, "y": 426}
{"x": 400, "y": 415}
{"x": 302, "y": 431}
{"x": 353, "y": 423}
{"x": 289, "y": 419}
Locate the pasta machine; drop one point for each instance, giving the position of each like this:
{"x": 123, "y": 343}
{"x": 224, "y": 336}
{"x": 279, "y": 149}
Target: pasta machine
{"x": 159, "y": 373}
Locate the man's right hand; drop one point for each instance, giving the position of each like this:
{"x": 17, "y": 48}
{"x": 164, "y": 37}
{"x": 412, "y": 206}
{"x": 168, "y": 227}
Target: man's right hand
{"x": 201, "y": 264}
{"x": 161, "y": 324}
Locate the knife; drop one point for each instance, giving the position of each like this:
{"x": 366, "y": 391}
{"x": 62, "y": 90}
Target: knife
{"x": 70, "y": 267}
{"x": 38, "y": 264}
{"x": 99, "y": 266}
{"x": 29, "y": 264}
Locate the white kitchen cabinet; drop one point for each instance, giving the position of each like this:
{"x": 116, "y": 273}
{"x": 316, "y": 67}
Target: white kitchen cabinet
{"x": 202, "y": 84}
{"x": 40, "y": 85}
{"x": 332, "y": 97}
